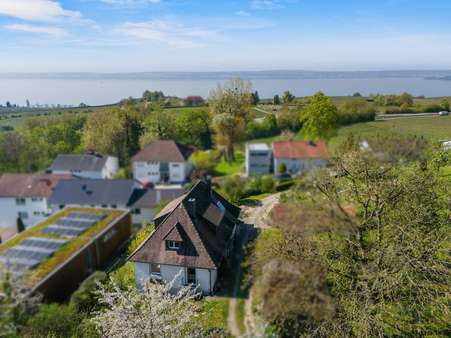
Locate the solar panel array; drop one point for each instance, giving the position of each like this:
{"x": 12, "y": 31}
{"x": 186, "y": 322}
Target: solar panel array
{"x": 27, "y": 254}
{"x": 73, "y": 224}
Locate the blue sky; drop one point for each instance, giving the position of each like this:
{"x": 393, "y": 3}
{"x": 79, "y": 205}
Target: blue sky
{"x": 210, "y": 35}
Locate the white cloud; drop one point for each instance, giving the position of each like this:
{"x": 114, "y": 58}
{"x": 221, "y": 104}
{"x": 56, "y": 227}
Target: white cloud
{"x": 266, "y": 4}
{"x": 130, "y": 2}
{"x": 36, "y": 10}
{"x": 49, "y": 30}
{"x": 243, "y": 13}
{"x": 169, "y": 32}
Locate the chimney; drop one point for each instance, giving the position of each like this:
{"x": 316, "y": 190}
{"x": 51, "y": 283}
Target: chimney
{"x": 208, "y": 181}
{"x": 192, "y": 206}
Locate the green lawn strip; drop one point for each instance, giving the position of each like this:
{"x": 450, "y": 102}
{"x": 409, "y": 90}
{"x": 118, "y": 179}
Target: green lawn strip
{"x": 225, "y": 168}
{"x": 214, "y": 313}
{"x": 66, "y": 250}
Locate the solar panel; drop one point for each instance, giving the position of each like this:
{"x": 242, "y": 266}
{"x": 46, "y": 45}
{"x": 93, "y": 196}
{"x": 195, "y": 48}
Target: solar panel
{"x": 42, "y": 243}
{"x": 62, "y": 231}
{"x": 75, "y": 223}
{"x": 86, "y": 216}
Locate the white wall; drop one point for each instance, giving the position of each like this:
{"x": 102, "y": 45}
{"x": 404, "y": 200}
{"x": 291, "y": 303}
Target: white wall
{"x": 146, "y": 171}
{"x": 111, "y": 168}
{"x": 35, "y": 208}
{"x": 300, "y": 165}
{"x": 171, "y": 272}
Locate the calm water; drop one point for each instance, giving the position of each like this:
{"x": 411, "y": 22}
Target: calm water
{"x": 104, "y": 91}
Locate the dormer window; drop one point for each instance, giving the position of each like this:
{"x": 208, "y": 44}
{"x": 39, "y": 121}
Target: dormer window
{"x": 173, "y": 245}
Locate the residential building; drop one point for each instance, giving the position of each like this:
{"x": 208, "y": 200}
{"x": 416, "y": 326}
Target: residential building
{"x": 25, "y": 196}
{"x": 194, "y": 234}
{"x": 91, "y": 165}
{"x": 163, "y": 161}
{"x": 56, "y": 255}
{"x": 258, "y": 159}
{"x": 122, "y": 194}
{"x": 299, "y": 157}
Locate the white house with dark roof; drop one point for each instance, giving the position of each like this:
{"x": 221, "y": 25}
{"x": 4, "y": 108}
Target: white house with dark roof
{"x": 90, "y": 165}
{"x": 163, "y": 161}
{"x": 194, "y": 234}
{"x": 114, "y": 194}
{"x": 25, "y": 196}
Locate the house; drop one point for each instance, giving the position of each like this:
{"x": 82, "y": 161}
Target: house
{"x": 56, "y": 255}
{"x": 194, "y": 234}
{"x": 91, "y": 165}
{"x": 163, "y": 161}
{"x": 25, "y": 196}
{"x": 299, "y": 156}
{"x": 122, "y": 194}
{"x": 258, "y": 159}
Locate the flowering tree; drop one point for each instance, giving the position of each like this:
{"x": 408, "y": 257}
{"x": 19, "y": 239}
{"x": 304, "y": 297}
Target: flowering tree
{"x": 154, "y": 311}
{"x": 16, "y": 303}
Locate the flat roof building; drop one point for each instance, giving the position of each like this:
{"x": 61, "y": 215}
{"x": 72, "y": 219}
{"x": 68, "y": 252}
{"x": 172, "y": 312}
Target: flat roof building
{"x": 258, "y": 159}
{"x": 55, "y": 256}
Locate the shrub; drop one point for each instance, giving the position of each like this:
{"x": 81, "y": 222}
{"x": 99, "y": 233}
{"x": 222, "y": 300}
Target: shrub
{"x": 84, "y": 299}
{"x": 205, "y": 160}
{"x": 281, "y": 168}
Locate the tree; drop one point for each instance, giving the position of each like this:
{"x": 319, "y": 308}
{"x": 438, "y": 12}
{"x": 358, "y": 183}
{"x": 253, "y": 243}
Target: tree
{"x": 319, "y": 118}
{"x": 150, "y": 312}
{"x": 192, "y": 101}
{"x": 276, "y": 100}
{"x": 160, "y": 124}
{"x": 16, "y": 303}
{"x": 445, "y": 104}
{"x": 153, "y": 96}
{"x": 194, "y": 127}
{"x": 205, "y": 160}
{"x": 255, "y": 98}
{"x": 230, "y": 105}
{"x": 357, "y": 94}
{"x": 115, "y": 132}
{"x": 287, "y": 97}
{"x": 281, "y": 168}
{"x": 385, "y": 266}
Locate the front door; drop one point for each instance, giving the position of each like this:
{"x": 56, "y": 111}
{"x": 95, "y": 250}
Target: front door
{"x": 191, "y": 276}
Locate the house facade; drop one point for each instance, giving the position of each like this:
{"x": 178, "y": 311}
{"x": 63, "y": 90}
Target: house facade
{"x": 112, "y": 194}
{"x": 92, "y": 165}
{"x": 258, "y": 159}
{"x": 163, "y": 161}
{"x": 194, "y": 234}
{"x": 299, "y": 157}
{"x": 25, "y": 196}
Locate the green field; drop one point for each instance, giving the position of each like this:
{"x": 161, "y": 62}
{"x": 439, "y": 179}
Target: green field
{"x": 434, "y": 128}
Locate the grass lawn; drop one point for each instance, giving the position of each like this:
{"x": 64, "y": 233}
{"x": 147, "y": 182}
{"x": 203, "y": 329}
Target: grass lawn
{"x": 214, "y": 313}
{"x": 433, "y": 128}
{"x": 224, "y": 168}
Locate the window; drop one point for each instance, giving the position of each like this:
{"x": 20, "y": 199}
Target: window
{"x": 114, "y": 206}
{"x": 104, "y": 206}
{"x": 137, "y": 211}
{"x": 191, "y": 276}
{"x": 20, "y": 201}
{"x": 175, "y": 165}
{"x": 36, "y": 199}
{"x": 23, "y": 214}
{"x": 61, "y": 206}
{"x": 173, "y": 245}
{"x": 36, "y": 213}
{"x": 155, "y": 269}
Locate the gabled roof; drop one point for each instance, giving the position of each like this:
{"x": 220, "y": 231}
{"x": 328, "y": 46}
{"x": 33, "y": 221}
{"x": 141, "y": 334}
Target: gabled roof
{"x": 300, "y": 149}
{"x": 85, "y": 162}
{"x": 164, "y": 151}
{"x": 203, "y": 242}
{"x": 119, "y": 192}
{"x": 29, "y": 185}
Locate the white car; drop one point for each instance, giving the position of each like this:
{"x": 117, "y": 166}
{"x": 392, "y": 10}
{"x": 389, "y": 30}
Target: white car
{"x": 443, "y": 113}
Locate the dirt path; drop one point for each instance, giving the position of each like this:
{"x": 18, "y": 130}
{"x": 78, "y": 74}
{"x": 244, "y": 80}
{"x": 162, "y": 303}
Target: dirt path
{"x": 258, "y": 216}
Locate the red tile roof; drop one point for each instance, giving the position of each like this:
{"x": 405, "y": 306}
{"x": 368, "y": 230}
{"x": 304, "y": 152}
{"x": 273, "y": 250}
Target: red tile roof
{"x": 300, "y": 149}
{"x": 164, "y": 151}
{"x": 29, "y": 185}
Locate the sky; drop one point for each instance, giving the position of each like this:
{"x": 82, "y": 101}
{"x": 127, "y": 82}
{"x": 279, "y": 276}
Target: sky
{"x": 232, "y": 35}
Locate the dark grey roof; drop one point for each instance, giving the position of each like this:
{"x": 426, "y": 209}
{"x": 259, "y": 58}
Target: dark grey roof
{"x": 86, "y": 162}
{"x": 92, "y": 192}
{"x": 119, "y": 192}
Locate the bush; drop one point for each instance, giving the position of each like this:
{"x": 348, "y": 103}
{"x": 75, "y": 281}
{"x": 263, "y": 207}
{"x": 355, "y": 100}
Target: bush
{"x": 266, "y": 128}
{"x": 205, "y": 160}
{"x": 281, "y": 168}
{"x": 84, "y": 299}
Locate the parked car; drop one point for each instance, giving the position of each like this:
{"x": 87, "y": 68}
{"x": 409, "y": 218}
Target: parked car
{"x": 444, "y": 113}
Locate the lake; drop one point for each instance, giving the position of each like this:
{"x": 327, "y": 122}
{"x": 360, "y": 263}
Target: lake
{"x": 98, "y": 90}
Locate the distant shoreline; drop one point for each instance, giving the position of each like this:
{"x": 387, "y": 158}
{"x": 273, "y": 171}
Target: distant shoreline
{"x": 251, "y": 75}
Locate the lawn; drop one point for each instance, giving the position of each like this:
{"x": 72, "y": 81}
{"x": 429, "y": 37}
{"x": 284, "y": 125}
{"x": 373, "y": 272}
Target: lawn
{"x": 214, "y": 313}
{"x": 224, "y": 168}
{"x": 434, "y": 128}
